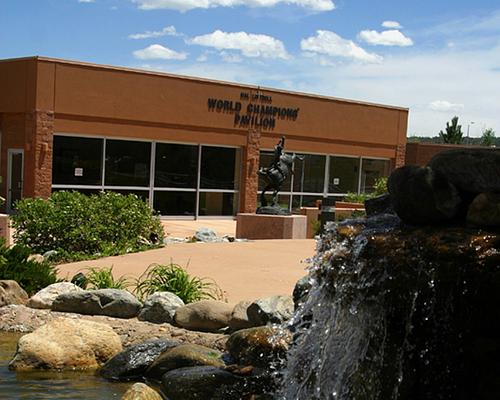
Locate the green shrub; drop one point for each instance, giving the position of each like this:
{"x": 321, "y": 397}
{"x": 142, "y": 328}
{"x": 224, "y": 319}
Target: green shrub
{"x": 102, "y": 278}
{"x": 31, "y": 275}
{"x": 379, "y": 188}
{"x": 173, "y": 278}
{"x": 81, "y": 227}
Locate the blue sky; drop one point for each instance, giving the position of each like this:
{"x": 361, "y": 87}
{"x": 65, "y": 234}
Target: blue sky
{"x": 439, "y": 58}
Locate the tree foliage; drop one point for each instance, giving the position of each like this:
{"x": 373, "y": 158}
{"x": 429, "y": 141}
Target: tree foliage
{"x": 453, "y": 134}
{"x": 488, "y": 137}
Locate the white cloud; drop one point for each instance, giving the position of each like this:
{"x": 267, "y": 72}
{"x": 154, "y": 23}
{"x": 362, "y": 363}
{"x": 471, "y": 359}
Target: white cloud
{"x": 230, "y": 57}
{"x": 386, "y": 38}
{"x": 186, "y": 5}
{"x": 331, "y": 44}
{"x": 158, "y": 52}
{"x": 391, "y": 25}
{"x": 86, "y": 1}
{"x": 167, "y": 31}
{"x": 249, "y": 44}
{"x": 445, "y": 106}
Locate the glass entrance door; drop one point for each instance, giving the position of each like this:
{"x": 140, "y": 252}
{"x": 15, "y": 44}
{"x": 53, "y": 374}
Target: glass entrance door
{"x": 15, "y": 178}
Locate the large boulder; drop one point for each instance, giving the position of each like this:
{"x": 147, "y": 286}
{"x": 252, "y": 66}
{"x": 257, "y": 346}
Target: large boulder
{"x": 470, "y": 170}
{"x": 271, "y": 310}
{"x": 111, "y": 302}
{"x": 133, "y": 362}
{"x": 422, "y": 196}
{"x": 45, "y": 297}
{"x": 66, "y": 344}
{"x": 12, "y": 293}
{"x": 484, "y": 210}
{"x": 206, "y": 235}
{"x": 141, "y": 391}
{"x": 206, "y": 315}
{"x": 239, "y": 317}
{"x": 160, "y": 307}
{"x": 184, "y": 355}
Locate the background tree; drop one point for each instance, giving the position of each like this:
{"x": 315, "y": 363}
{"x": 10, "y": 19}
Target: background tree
{"x": 488, "y": 137}
{"x": 453, "y": 132}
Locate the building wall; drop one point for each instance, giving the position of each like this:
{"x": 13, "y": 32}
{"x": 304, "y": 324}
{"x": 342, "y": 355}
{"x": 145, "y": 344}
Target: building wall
{"x": 421, "y": 153}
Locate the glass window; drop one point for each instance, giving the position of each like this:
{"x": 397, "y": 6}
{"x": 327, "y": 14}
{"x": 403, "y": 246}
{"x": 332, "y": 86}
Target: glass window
{"x": 220, "y": 168}
{"x": 371, "y": 170}
{"x": 309, "y": 174}
{"x": 344, "y": 175}
{"x": 77, "y": 161}
{"x": 175, "y": 203}
{"x": 217, "y": 203}
{"x": 176, "y": 165}
{"x": 127, "y": 163}
{"x": 283, "y": 200}
{"x": 265, "y": 160}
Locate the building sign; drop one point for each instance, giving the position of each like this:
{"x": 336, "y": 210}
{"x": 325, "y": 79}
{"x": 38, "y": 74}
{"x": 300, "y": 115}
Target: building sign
{"x": 253, "y": 111}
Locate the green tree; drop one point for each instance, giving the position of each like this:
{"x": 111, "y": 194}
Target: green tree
{"x": 453, "y": 133}
{"x": 488, "y": 137}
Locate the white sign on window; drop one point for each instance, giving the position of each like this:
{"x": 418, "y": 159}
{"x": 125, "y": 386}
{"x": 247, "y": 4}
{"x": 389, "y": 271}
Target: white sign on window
{"x": 336, "y": 181}
{"x": 78, "y": 171}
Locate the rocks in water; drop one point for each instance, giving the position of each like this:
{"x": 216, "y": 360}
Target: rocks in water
{"x": 258, "y": 346}
{"x": 184, "y": 355}
{"x": 379, "y": 205}
{"x": 196, "y": 383}
{"x": 484, "y": 210}
{"x": 141, "y": 391}
{"x": 206, "y": 235}
{"x": 206, "y": 315}
{"x": 239, "y": 317}
{"x": 11, "y": 293}
{"x": 111, "y": 302}
{"x": 45, "y": 297}
{"x": 66, "y": 344}
{"x": 271, "y": 310}
{"x": 133, "y": 362}
{"x": 160, "y": 308}
{"x": 301, "y": 290}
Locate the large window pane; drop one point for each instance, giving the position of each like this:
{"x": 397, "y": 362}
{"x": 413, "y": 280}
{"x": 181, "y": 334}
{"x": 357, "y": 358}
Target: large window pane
{"x": 77, "y": 161}
{"x": 299, "y": 201}
{"x": 217, "y": 203}
{"x": 309, "y": 174}
{"x": 344, "y": 175}
{"x": 265, "y": 160}
{"x": 127, "y": 163}
{"x": 220, "y": 168}
{"x": 175, "y": 203}
{"x": 176, "y": 165}
{"x": 371, "y": 170}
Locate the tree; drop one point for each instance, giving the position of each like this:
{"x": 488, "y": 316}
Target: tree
{"x": 453, "y": 133}
{"x": 488, "y": 138}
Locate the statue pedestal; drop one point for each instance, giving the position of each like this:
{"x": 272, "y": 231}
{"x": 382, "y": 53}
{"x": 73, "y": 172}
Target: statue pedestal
{"x": 260, "y": 226}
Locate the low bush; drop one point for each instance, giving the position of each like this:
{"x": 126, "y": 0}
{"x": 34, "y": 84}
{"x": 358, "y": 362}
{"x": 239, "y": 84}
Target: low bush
{"x": 173, "y": 278}
{"x": 82, "y": 227}
{"x": 379, "y": 188}
{"x": 31, "y": 274}
{"x": 102, "y": 278}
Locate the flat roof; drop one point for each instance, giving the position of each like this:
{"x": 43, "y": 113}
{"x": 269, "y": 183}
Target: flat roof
{"x": 201, "y": 80}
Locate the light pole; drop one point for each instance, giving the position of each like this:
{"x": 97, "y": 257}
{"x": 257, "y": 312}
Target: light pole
{"x": 468, "y": 128}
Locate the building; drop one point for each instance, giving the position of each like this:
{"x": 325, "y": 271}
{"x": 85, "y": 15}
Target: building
{"x": 191, "y": 146}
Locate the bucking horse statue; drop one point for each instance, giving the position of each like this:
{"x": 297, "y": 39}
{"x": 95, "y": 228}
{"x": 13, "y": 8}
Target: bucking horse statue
{"x": 275, "y": 175}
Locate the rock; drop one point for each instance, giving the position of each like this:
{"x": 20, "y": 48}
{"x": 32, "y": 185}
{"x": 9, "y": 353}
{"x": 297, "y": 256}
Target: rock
{"x": 271, "y": 310}
{"x": 45, "y": 297}
{"x": 258, "y": 346}
{"x": 484, "y": 211}
{"x": 301, "y": 290}
{"x": 470, "y": 170}
{"x": 206, "y": 235}
{"x": 239, "y": 317}
{"x": 184, "y": 355}
{"x": 196, "y": 383}
{"x": 141, "y": 391}
{"x": 12, "y": 293}
{"x": 379, "y": 205}
{"x": 422, "y": 196}
{"x": 206, "y": 315}
{"x": 110, "y": 302}
{"x": 66, "y": 344}
{"x": 37, "y": 258}
{"x": 133, "y": 362}
{"x": 160, "y": 307}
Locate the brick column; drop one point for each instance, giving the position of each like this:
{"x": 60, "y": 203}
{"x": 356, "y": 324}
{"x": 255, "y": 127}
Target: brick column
{"x": 38, "y": 154}
{"x": 400, "y": 159}
{"x": 250, "y": 179}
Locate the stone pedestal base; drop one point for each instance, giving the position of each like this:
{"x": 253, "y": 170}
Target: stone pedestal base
{"x": 312, "y": 215}
{"x": 258, "y": 226}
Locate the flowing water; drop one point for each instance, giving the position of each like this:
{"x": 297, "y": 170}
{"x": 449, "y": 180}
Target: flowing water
{"x": 48, "y": 385}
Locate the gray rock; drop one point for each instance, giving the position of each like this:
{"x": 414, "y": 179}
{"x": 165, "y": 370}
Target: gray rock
{"x": 239, "y": 317}
{"x": 133, "y": 362}
{"x": 484, "y": 211}
{"x": 45, "y": 297}
{"x": 470, "y": 170}
{"x": 301, "y": 290}
{"x": 206, "y": 315}
{"x": 196, "y": 383}
{"x": 206, "y": 235}
{"x": 160, "y": 308}
{"x": 12, "y": 293}
{"x": 421, "y": 196}
{"x": 271, "y": 310}
{"x": 111, "y": 302}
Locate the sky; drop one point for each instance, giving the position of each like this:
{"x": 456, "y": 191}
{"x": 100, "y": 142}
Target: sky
{"x": 439, "y": 58}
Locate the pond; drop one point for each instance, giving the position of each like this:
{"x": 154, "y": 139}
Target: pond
{"x": 45, "y": 385}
